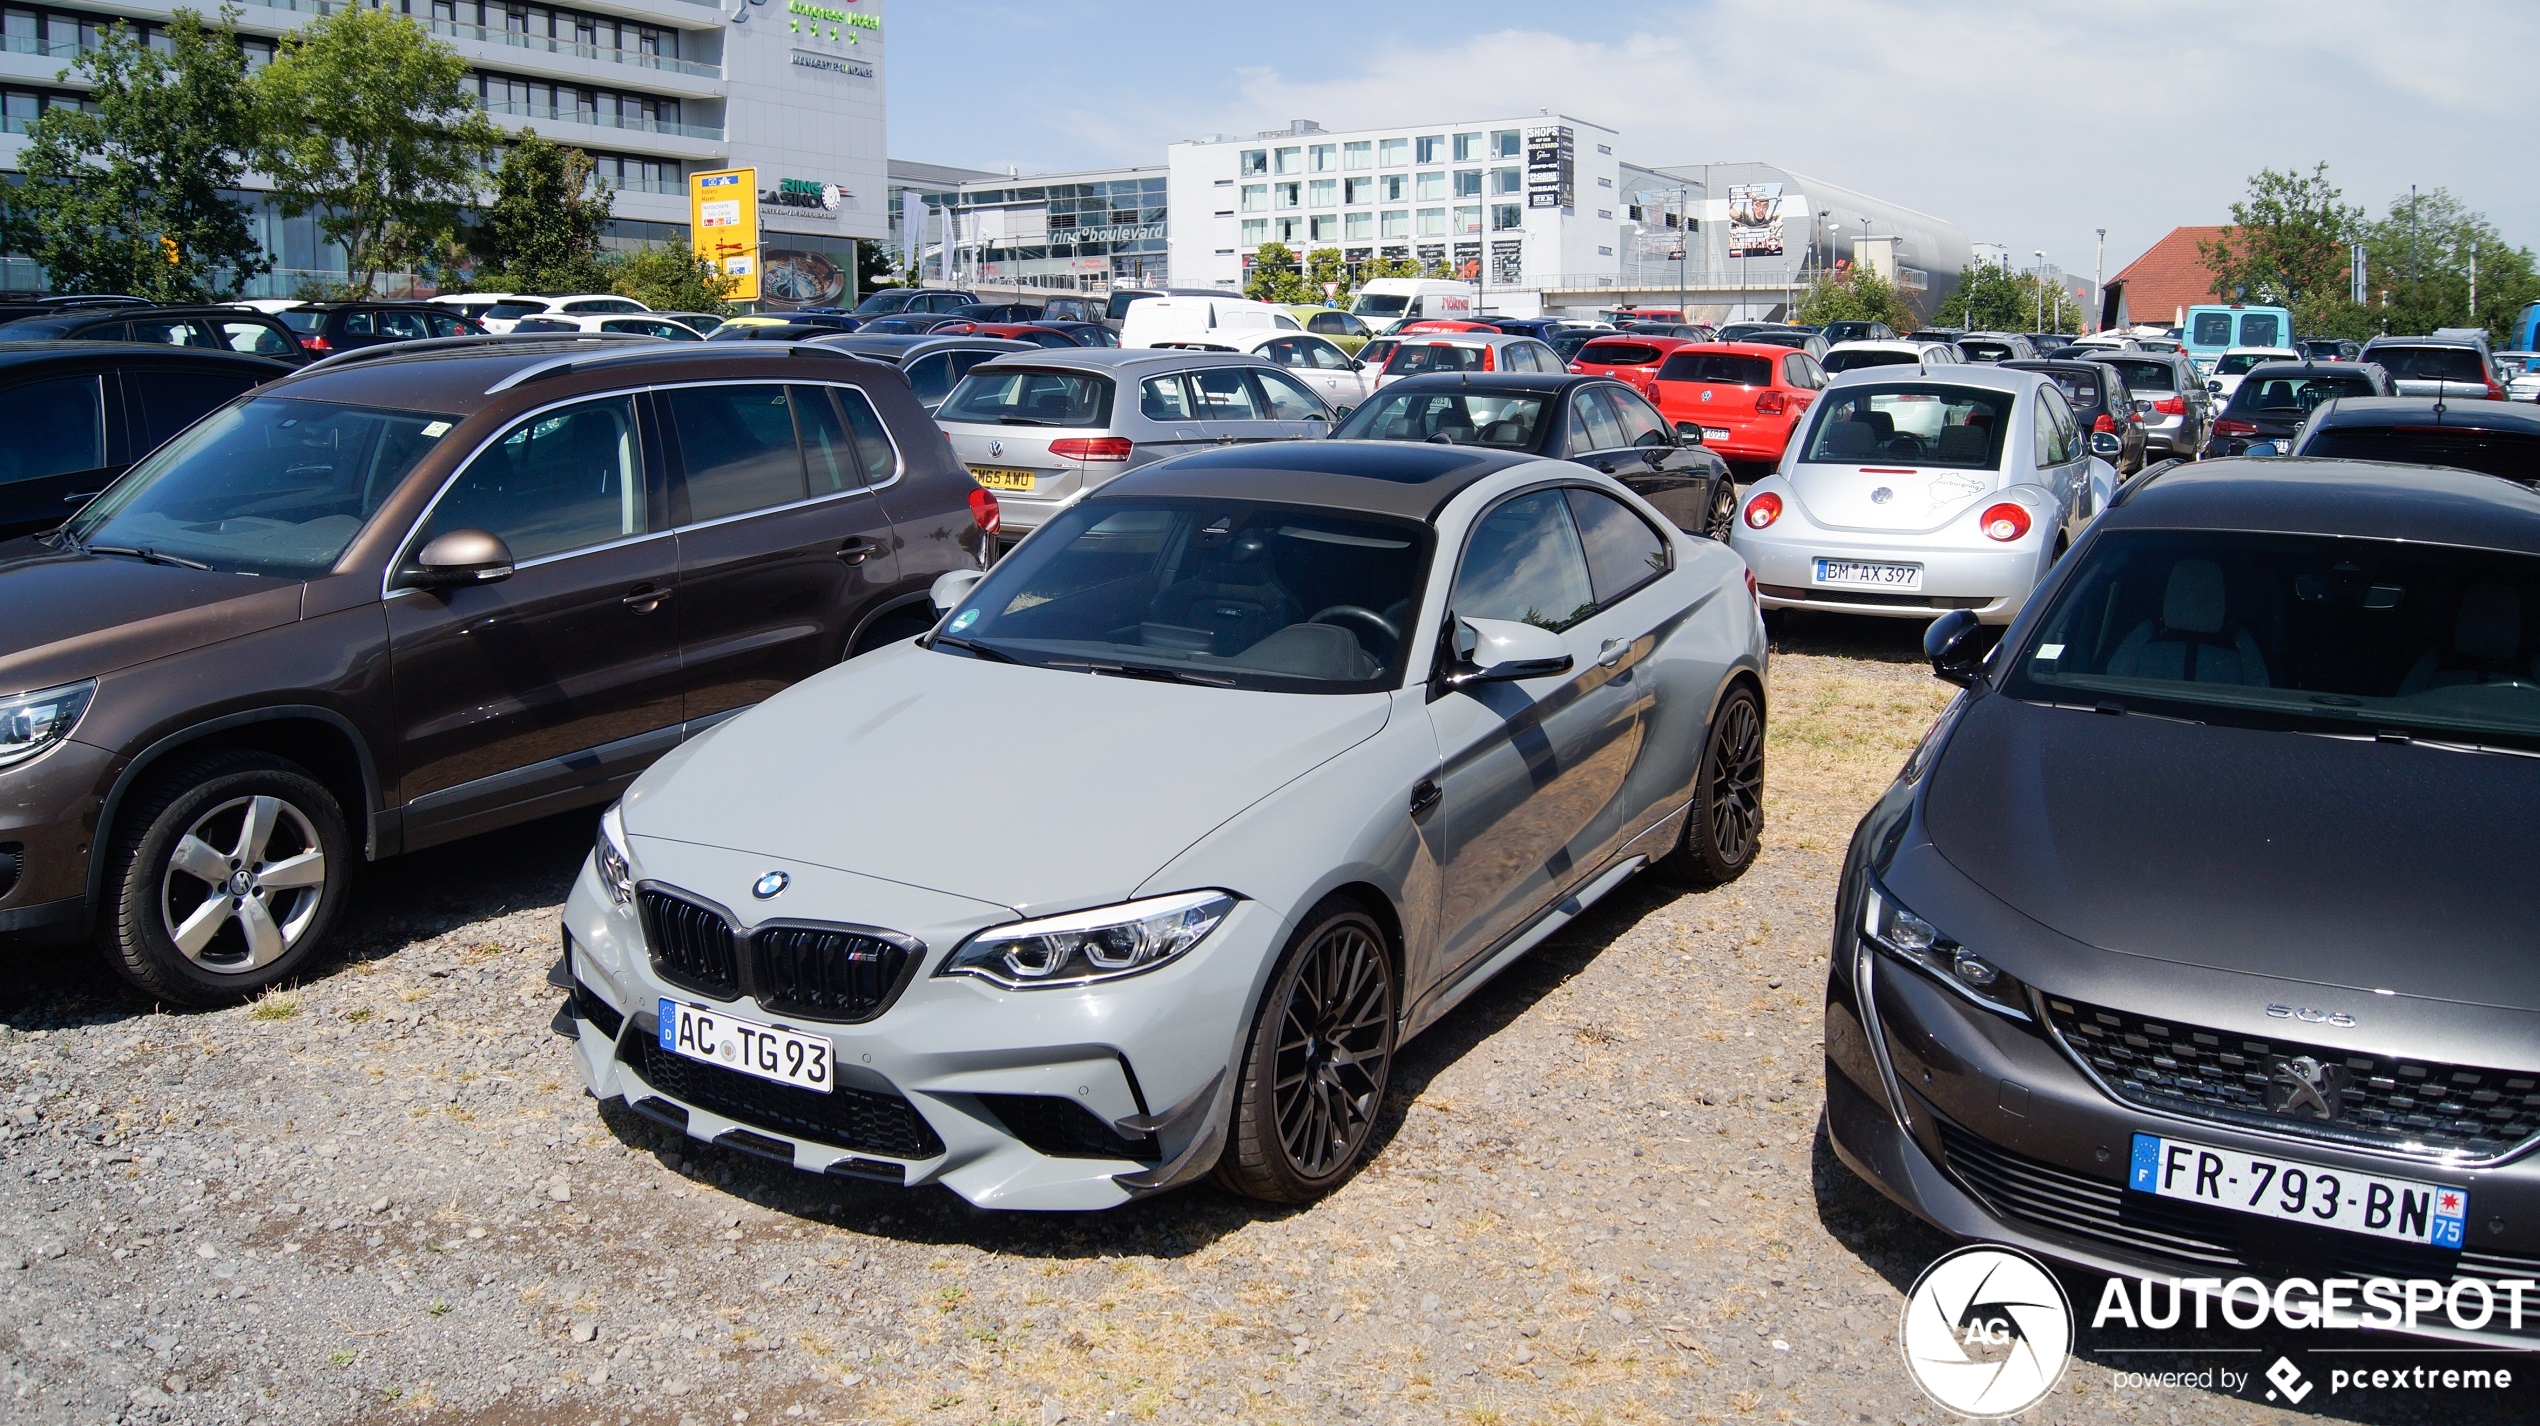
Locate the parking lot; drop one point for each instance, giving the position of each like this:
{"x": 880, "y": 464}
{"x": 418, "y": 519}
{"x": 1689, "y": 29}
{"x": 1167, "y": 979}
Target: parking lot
{"x": 1600, "y": 1193}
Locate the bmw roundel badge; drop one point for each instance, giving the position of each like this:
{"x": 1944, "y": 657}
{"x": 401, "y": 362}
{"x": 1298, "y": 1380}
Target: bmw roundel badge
{"x": 770, "y": 884}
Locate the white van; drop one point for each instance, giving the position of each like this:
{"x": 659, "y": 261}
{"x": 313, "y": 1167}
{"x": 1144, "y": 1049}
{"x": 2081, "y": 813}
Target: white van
{"x": 1389, "y": 299}
{"x": 1150, "y": 318}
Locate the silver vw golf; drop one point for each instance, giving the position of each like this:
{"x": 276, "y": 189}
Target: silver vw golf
{"x": 1144, "y": 863}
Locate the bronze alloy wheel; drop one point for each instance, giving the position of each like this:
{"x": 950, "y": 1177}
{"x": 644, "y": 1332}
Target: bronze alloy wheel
{"x": 1320, "y": 1057}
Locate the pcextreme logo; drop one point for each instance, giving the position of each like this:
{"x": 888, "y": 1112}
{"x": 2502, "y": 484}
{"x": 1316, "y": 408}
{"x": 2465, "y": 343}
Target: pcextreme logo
{"x": 1987, "y": 1331}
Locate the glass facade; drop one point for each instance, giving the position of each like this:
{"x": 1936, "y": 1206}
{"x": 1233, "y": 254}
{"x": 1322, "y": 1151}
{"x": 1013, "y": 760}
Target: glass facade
{"x": 1098, "y": 231}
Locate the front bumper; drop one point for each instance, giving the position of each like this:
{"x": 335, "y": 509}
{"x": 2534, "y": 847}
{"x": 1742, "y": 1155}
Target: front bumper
{"x": 1041, "y": 1099}
{"x": 1993, "y": 580}
{"x": 49, "y": 809}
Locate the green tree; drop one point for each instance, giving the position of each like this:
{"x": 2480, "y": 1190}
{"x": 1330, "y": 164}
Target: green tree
{"x": 2285, "y": 245}
{"x": 132, "y": 195}
{"x": 1327, "y": 265}
{"x": 1376, "y": 267}
{"x": 369, "y": 124}
{"x": 2418, "y": 262}
{"x": 1856, "y": 295}
{"x": 876, "y": 265}
{"x": 673, "y": 279}
{"x": 1989, "y": 298}
{"x": 541, "y": 232}
{"x": 1275, "y": 275}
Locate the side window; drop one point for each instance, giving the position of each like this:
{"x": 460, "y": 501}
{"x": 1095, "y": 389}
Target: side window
{"x": 404, "y": 326}
{"x": 827, "y": 452}
{"x": 737, "y": 443}
{"x": 1593, "y": 426}
{"x": 931, "y": 377}
{"x": 1795, "y": 371}
{"x": 872, "y": 438}
{"x": 1282, "y": 352}
{"x": 55, "y": 428}
{"x": 1623, "y": 553}
{"x": 1524, "y": 564}
{"x": 1224, "y": 394}
{"x": 1283, "y": 398}
{"x": 1642, "y": 425}
{"x": 359, "y": 324}
{"x": 1516, "y": 357}
{"x": 172, "y": 333}
{"x": 446, "y": 324}
{"x": 2056, "y": 437}
{"x": 559, "y": 481}
{"x": 1816, "y": 372}
{"x": 257, "y": 338}
{"x": 2042, "y": 441}
{"x": 171, "y": 400}
{"x": 2067, "y": 430}
{"x": 1165, "y": 398}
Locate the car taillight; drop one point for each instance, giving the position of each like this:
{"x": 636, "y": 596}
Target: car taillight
{"x": 2171, "y": 405}
{"x": 2494, "y": 392}
{"x": 1771, "y": 403}
{"x": 983, "y": 510}
{"x": 1091, "y": 447}
{"x": 2234, "y": 426}
{"x": 312, "y": 342}
{"x": 2105, "y": 423}
{"x": 2005, "y": 522}
{"x": 1763, "y": 510}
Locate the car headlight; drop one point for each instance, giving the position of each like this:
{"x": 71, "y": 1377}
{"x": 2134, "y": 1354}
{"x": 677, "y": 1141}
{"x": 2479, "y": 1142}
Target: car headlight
{"x": 32, "y": 723}
{"x": 1085, "y": 946}
{"x": 1887, "y": 924}
{"x": 609, "y": 858}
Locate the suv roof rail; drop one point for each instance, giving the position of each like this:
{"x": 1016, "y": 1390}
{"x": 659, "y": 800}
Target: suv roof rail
{"x": 647, "y": 348}
{"x": 426, "y": 346}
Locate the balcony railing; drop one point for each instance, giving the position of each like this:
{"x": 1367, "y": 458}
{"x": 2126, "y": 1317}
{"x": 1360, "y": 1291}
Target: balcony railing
{"x": 673, "y": 187}
{"x": 540, "y": 43}
{"x": 564, "y": 115}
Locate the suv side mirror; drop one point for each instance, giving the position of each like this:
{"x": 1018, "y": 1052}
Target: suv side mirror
{"x": 1689, "y": 432}
{"x": 1956, "y": 646}
{"x": 2105, "y": 445}
{"x": 1503, "y": 651}
{"x": 461, "y": 557}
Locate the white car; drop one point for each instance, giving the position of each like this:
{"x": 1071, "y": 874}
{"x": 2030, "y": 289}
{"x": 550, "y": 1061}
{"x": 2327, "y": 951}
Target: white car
{"x": 2521, "y": 371}
{"x": 1910, "y": 493}
{"x": 2111, "y": 342}
{"x": 1339, "y": 378}
{"x": 2237, "y": 362}
{"x": 501, "y": 316}
{"x": 1904, "y": 351}
{"x": 644, "y": 325}
{"x": 474, "y": 305}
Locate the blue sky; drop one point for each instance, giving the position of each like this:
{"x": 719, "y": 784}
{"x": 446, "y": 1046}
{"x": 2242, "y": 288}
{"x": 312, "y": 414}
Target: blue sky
{"x": 2028, "y": 124}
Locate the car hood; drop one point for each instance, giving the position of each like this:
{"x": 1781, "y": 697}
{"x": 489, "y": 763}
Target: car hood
{"x": 2371, "y": 866}
{"x": 1036, "y": 789}
{"x": 71, "y": 616}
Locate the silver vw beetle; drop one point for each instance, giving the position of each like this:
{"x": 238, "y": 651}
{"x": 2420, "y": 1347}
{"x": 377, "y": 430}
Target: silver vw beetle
{"x": 1144, "y": 863}
{"x": 1914, "y": 491}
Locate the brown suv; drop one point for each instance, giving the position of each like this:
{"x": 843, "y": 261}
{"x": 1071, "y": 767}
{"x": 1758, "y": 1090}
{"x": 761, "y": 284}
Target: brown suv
{"x": 387, "y": 602}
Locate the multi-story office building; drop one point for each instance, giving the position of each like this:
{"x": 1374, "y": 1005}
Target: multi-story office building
{"x": 653, "y": 89}
{"x": 1740, "y": 240}
{"x": 1044, "y": 230}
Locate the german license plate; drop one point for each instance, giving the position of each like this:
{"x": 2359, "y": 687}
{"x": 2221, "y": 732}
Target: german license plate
{"x": 1868, "y": 574}
{"x": 997, "y": 477}
{"x": 2269, "y": 1187}
{"x": 1715, "y": 433}
{"x": 767, "y": 1051}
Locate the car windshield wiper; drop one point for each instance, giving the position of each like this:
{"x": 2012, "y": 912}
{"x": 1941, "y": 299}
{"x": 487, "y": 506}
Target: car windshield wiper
{"x": 143, "y": 553}
{"x": 973, "y": 647}
{"x": 1146, "y": 671}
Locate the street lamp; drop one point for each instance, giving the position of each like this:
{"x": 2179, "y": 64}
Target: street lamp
{"x": 2039, "y": 275}
{"x": 2099, "y": 281}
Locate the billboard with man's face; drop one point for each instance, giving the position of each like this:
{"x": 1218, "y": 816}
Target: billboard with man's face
{"x": 1755, "y": 220}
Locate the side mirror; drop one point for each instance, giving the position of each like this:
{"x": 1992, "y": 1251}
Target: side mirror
{"x": 1341, "y": 413}
{"x": 1355, "y": 364}
{"x": 1689, "y": 432}
{"x": 2215, "y": 387}
{"x": 2105, "y": 445}
{"x": 952, "y": 587}
{"x": 1956, "y": 646}
{"x": 1503, "y": 651}
{"x": 461, "y": 557}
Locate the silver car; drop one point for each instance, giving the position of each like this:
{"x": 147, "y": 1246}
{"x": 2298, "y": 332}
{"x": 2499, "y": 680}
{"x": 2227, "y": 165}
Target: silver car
{"x": 2441, "y": 365}
{"x": 1348, "y": 728}
{"x": 1044, "y": 430}
{"x": 2177, "y": 409}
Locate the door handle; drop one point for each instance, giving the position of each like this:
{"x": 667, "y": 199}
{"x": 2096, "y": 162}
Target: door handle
{"x": 859, "y": 549}
{"x": 1424, "y": 796}
{"x": 1611, "y": 653}
{"x": 644, "y": 598}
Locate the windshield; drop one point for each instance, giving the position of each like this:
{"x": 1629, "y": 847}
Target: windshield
{"x": 1020, "y": 397}
{"x": 1778, "y": 339}
{"x": 1619, "y": 354}
{"x": 1379, "y": 304}
{"x": 299, "y": 321}
{"x": 2260, "y": 329}
{"x": 1726, "y": 368}
{"x": 1235, "y": 593}
{"x": 2430, "y": 363}
{"x": 1854, "y": 361}
{"x": 1413, "y": 358}
{"x": 2511, "y": 454}
{"x": 271, "y": 486}
{"x": 2148, "y": 375}
{"x": 1921, "y": 424}
{"x": 508, "y": 311}
{"x": 889, "y": 300}
{"x": 2293, "y": 392}
{"x": 1505, "y": 420}
{"x": 2211, "y": 329}
{"x": 2321, "y": 633}
{"x": 1987, "y": 351}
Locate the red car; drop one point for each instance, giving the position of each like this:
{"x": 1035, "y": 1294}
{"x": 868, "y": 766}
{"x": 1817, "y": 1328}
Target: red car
{"x": 1439, "y": 324}
{"x": 1746, "y": 396}
{"x": 1632, "y": 359}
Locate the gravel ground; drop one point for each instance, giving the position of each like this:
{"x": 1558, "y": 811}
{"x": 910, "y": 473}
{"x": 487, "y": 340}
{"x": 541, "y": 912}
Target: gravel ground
{"x": 1601, "y": 1195}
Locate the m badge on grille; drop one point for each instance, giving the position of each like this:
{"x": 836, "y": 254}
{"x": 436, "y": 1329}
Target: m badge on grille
{"x": 2304, "y": 1088}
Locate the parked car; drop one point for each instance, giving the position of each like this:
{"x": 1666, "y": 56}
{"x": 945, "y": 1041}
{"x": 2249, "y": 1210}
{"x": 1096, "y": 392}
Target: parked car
{"x": 215, "y": 328}
{"x": 1795, "y": 338}
{"x": 1435, "y": 775}
{"x": 1910, "y": 495}
{"x": 1426, "y": 326}
{"x": 1854, "y": 356}
{"x": 893, "y": 301}
{"x": 472, "y": 305}
{"x": 77, "y": 413}
{"x": 1029, "y": 334}
{"x": 1340, "y": 379}
{"x": 384, "y": 603}
{"x": 501, "y": 316}
{"x": 1740, "y": 331}
{"x": 2107, "y": 342}
{"x": 2521, "y": 377}
{"x": 2329, "y": 349}
{"x": 1340, "y": 328}
{"x": 1394, "y": 299}
{"x": 1178, "y": 315}
{"x": 932, "y": 365}
{"x": 1071, "y": 309}
{"x": 2123, "y": 874}
{"x": 2274, "y": 400}
{"x": 1997, "y": 347}
{"x": 2214, "y": 329}
{"x": 2455, "y": 367}
{"x": 1629, "y": 358}
{"x": 1837, "y": 333}
{"x": 2493, "y": 438}
{"x": 2177, "y": 410}
{"x": 650, "y": 324}
{"x": 1544, "y": 329}
{"x": 1043, "y": 428}
{"x": 1566, "y": 345}
{"x": 2102, "y": 404}
{"x": 775, "y": 329}
{"x": 1117, "y": 304}
{"x": 2239, "y": 362}
{"x": 1594, "y": 420}
{"x": 1743, "y": 397}
{"x": 1085, "y": 334}
{"x": 324, "y": 328}
{"x": 1017, "y": 313}
{"x": 905, "y": 324}
{"x": 1468, "y": 351}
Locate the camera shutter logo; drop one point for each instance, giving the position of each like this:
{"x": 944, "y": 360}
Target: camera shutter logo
{"x": 1987, "y": 1331}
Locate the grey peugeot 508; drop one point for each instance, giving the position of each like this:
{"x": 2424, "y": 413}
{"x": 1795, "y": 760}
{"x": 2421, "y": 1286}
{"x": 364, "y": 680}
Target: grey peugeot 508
{"x": 2195, "y": 939}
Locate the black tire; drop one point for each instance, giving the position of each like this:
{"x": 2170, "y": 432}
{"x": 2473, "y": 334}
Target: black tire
{"x": 156, "y": 889}
{"x": 1324, "y": 1035}
{"x": 1722, "y": 517}
{"x": 1725, "y": 827}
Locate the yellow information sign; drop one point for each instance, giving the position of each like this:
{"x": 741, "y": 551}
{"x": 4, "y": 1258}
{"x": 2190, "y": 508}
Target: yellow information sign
{"x": 723, "y": 226}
